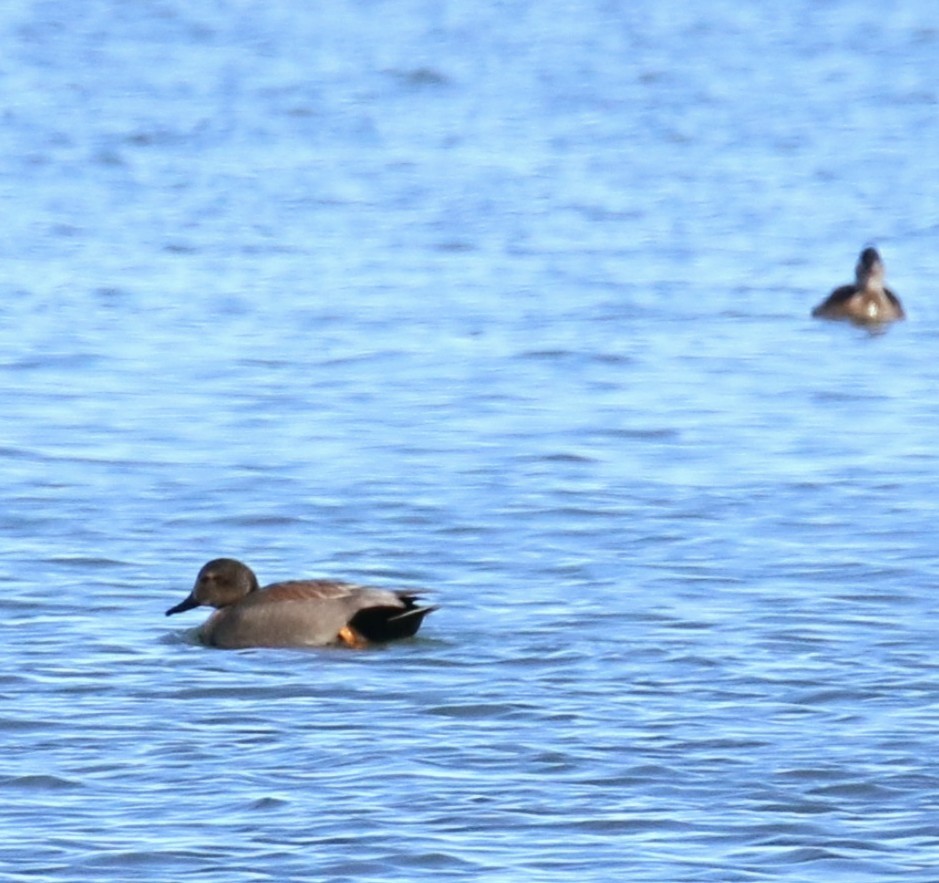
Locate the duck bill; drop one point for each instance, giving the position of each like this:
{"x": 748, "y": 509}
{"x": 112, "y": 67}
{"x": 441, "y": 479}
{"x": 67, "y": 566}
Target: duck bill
{"x": 182, "y": 606}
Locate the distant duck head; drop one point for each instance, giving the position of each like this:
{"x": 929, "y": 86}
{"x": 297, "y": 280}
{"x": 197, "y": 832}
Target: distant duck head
{"x": 869, "y": 270}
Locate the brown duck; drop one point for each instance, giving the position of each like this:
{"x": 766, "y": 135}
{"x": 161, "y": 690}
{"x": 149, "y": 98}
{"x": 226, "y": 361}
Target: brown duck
{"x": 297, "y": 613}
{"x": 868, "y": 301}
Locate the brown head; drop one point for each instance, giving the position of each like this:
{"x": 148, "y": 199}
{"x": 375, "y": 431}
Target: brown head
{"x": 221, "y": 582}
{"x": 869, "y": 270}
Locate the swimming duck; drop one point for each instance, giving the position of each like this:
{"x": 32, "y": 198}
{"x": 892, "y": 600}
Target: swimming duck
{"x": 868, "y": 301}
{"x": 297, "y": 613}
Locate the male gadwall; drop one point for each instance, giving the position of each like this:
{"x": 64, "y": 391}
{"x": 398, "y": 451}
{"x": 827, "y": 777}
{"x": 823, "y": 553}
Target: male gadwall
{"x": 297, "y": 613}
{"x": 868, "y": 301}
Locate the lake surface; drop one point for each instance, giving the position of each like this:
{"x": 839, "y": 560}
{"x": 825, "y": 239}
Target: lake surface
{"x": 509, "y": 301}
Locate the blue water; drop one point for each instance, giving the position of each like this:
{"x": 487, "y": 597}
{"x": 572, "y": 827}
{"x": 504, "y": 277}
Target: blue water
{"x": 509, "y": 301}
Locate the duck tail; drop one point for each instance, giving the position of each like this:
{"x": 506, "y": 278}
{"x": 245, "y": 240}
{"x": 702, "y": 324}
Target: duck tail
{"x": 380, "y": 624}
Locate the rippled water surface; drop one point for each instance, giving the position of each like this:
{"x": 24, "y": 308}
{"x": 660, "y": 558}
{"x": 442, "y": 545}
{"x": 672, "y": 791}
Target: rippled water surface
{"x": 509, "y": 301}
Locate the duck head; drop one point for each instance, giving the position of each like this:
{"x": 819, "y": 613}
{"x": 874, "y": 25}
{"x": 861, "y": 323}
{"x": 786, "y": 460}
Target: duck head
{"x": 221, "y": 582}
{"x": 869, "y": 269}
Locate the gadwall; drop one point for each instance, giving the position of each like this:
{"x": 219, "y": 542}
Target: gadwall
{"x": 297, "y": 613}
{"x": 868, "y": 301}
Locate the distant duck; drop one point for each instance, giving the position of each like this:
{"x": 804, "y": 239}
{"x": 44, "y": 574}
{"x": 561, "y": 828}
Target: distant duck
{"x": 297, "y": 613}
{"x": 868, "y": 301}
